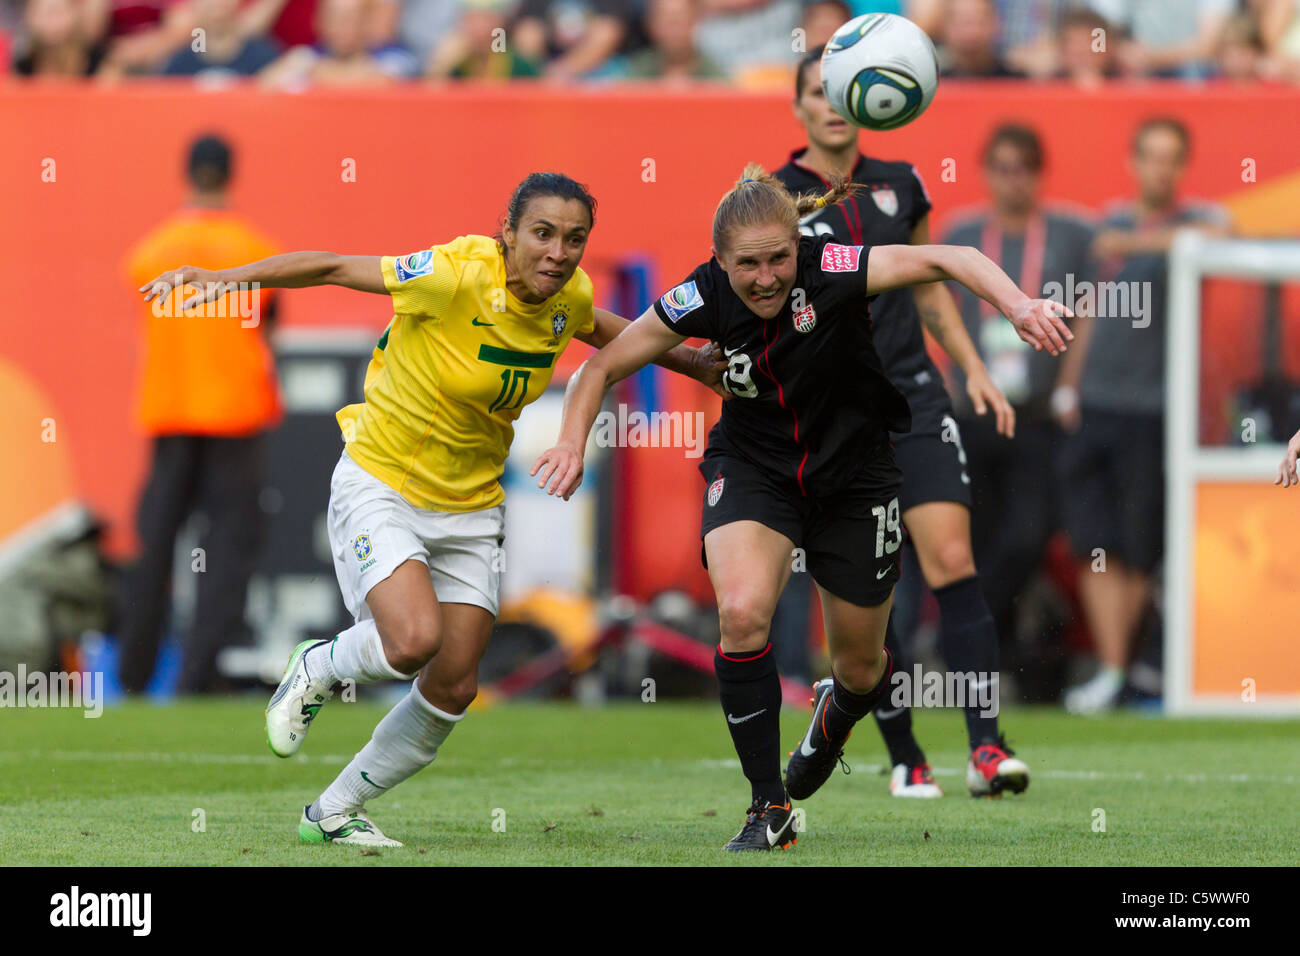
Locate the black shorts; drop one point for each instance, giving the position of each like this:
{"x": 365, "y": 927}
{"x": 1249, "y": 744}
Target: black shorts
{"x": 851, "y": 539}
{"x": 1113, "y": 485}
{"x": 931, "y": 454}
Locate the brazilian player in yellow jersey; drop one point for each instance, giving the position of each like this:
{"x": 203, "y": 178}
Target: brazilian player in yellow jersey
{"x": 416, "y": 519}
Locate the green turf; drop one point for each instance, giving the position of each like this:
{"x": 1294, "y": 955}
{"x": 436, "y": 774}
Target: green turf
{"x": 634, "y": 783}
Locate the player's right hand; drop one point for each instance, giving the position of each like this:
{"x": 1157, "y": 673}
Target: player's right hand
{"x": 562, "y": 467}
{"x": 1286, "y": 473}
{"x": 208, "y": 285}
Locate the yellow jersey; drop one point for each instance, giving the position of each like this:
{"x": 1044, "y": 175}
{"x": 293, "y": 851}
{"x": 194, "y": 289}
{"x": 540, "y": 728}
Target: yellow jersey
{"x": 451, "y": 373}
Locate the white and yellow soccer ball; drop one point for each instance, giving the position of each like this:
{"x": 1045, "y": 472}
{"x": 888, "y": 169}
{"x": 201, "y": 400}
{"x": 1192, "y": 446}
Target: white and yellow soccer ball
{"x": 879, "y": 71}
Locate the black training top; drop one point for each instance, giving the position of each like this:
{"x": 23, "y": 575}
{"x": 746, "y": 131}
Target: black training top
{"x": 811, "y": 398}
{"x": 883, "y": 214}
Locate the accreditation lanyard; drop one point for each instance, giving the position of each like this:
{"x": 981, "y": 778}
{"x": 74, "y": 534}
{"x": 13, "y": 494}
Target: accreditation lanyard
{"x": 1005, "y": 353}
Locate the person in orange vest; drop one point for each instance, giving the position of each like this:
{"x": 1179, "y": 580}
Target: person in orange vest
{"x": 207, "y": 395}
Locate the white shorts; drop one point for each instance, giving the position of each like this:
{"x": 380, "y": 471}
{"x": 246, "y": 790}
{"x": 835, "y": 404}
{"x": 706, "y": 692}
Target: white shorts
{"x": 373, "y": 529}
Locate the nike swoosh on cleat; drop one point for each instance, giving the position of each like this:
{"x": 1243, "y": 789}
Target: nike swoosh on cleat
{"x": 741, "y": 720}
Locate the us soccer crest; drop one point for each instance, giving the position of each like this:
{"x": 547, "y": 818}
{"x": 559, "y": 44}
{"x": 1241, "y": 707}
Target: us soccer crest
{"x": 558, "y": 321}
{"x": 886, "y": 201}
{"x": 715, "y": 491}
{"x": 805, "y": 319}
{"x": 361, "y": 546}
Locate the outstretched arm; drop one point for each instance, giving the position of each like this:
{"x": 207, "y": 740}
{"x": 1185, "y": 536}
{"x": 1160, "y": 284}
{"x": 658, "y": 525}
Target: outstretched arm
{"x": 702, "y": 364}
{"x": 293, "y": 270}
{"x": 634, "y": 349}
{"x": 1037, "y": 321}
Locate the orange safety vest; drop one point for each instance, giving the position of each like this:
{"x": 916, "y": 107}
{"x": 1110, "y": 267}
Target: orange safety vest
{"x": 209, "y": 372}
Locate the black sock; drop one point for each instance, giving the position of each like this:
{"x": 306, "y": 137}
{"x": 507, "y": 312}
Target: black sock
{"x": 896, "y": 723}
{"x": 968, "y": 639}
{"x": 751, "y": 700}
{"x": 847, "y": 708}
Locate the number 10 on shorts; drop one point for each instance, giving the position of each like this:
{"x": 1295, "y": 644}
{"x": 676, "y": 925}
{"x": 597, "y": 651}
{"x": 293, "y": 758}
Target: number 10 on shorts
{"x": 887, "y": 520}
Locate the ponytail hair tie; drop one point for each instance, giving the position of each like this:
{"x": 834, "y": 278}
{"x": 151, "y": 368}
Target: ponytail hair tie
{"x": 821, "y": 202}
{"x": 743, "y": 181}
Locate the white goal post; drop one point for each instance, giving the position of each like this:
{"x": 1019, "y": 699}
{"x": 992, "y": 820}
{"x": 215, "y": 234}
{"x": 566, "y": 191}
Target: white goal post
{"x": 1191, "y": 470}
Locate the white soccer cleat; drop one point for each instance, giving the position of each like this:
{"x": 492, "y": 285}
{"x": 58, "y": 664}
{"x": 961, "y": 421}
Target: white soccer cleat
{"x": 295, "y": 704}
{"x": 917, "y": 781}
{"x": 1097, "y": 695}
{"x": 352, "y": 828}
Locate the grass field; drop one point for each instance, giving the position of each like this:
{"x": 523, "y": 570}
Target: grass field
{"x": 635, "y": 783}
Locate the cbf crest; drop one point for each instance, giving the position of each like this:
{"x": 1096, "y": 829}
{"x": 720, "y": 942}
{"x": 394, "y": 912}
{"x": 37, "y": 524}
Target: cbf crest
{"x": 361, "y": 546}
{"x": 558, "y": 321}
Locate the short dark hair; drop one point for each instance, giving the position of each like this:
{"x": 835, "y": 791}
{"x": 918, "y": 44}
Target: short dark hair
{"x": 209, "y": 162}
{"x": 536, "y": 185}
{"x": 812, "y": 56}
{"x": 1023, "y": 138}
{"x": 1175, "y": 126}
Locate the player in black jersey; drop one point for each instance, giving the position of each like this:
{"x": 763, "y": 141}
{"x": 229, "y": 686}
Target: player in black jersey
{"x": 894, "y": 207}
{"x": 799, "y": 457}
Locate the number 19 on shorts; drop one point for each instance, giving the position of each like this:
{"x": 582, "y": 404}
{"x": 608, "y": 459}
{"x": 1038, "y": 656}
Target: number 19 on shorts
{"x": 887, "y": 523}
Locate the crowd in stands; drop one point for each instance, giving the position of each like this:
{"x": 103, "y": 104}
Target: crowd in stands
{"x": 295, "y": 44}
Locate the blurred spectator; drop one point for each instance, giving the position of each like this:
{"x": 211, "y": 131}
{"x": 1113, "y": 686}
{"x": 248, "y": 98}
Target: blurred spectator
{"x": 968, "y": 42}
{"x": 142, "y": 34}
{"x": 57, "y": 41}
{"x": 290, "y": 23}
{"x": 1011, "y": 480}
{"x": 1112, "y": 463}
{"x": 424, "y": 23}
{"x": 672, "y": 54}
{"x": 221, "y": 50}
{"x": 1169, "y": 38}
{"x": 1279, "y": 28}
{"x": 749, "y": 35}
{"x": 573, "y": 38}
{"x": 1240, "y": 53}
{"x": 345, "y": 54}
{"x": 1086, "y": 55}
{"x": 207, "y": 394}
{"x": 480, "y": 49}
{"x": 821, "y": 18}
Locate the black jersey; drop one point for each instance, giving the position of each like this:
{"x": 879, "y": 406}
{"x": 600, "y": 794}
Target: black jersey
{"x": 811, "y": 398}
{"x": 885, "y": 213}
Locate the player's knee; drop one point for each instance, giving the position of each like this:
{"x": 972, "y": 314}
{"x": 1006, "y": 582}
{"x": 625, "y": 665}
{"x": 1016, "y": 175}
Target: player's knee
{"x": 744, "y": 623}
{"x": 460, "y": 694}
{"x": 859, "y": 671}
{"x": 411, "y": 642}
{"x": 951, "y": 561}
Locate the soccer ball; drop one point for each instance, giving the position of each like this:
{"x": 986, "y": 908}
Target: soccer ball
{"x": 879, "y": 71}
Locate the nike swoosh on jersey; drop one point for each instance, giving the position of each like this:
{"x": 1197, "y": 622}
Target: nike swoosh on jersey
{"x": 475, "y": 321}
{"x": 741, "y": 720}
{"x": 881, "y": 573}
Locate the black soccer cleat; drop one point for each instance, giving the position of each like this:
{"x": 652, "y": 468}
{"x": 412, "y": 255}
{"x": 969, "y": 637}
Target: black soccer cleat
{"x": 813, "y": 761}
{"x": 769, "y": 826}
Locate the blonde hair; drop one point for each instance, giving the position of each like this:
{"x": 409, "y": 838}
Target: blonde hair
{"x": 760, "y": 199}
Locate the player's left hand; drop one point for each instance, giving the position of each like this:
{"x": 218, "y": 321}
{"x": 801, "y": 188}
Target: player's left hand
{"x": 1286, "y": 473}
{"x": 1039, "y": 322}
{"x": 562, "y": 467}
{"x": 983, "y": 394}
{"x": 710, "y": 366}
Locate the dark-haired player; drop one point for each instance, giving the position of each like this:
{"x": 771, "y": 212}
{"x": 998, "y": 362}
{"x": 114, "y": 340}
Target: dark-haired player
{"x": 893, "y": 207}
{"x": 799, "y": 457}
{"x": 416, "y": 504}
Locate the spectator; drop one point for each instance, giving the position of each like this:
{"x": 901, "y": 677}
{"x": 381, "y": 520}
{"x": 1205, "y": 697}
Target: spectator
{"x": 222, "y": 50}
{"x": 424, "y": 24}
{"x": 1279, "y": 28}
{"x": 672, "y": 54}
{"x": 57, "y": 43}
{"x": 1112, "y": 398}
{"x": 821, "y": 18}
{"x": 344, "y": 56}
{"x": 289, "y": 23}
{"x": 741, "y": 36}
{"x": 1086, "y": 56}
{"x": 1168, "y": 38}
{"x": 480, "y": 49}
{"x": 1240, "y": 53}
{"x": 968, "y": 50}
{"x": 142, "y": 34}
{"x": 207, "y": 394}
{"x": 1011, "y": 481}
{"x": 573, "y": 38}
